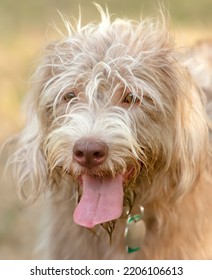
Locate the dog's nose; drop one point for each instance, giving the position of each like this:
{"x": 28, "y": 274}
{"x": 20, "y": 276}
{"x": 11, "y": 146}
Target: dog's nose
{"x": 90, "y": 153}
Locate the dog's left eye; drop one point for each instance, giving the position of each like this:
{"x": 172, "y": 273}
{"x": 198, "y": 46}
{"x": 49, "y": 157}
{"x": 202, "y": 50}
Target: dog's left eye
{"x": 69, "y": 96}
{"x": 131, "y": 98}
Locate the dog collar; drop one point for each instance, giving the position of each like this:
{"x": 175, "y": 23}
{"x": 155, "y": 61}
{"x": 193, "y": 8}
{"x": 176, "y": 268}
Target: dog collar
{"x": 135, "y": 232}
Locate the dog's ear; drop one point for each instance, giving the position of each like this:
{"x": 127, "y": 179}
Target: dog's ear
{"x": 26, "y": 161}
{"x": 191, "y": 145}
{"x": 26, "y": 157}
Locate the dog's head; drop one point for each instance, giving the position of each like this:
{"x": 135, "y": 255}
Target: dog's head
{"x": 112, "y": 107}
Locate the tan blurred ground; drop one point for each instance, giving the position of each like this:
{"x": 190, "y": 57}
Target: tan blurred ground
{"x": 18, "y": 52}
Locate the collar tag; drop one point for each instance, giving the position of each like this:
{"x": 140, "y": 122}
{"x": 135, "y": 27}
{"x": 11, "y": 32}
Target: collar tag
{"x": 135, "y": 232}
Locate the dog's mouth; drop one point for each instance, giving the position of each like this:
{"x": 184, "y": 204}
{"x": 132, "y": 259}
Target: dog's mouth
{"x": 102, "y": 199}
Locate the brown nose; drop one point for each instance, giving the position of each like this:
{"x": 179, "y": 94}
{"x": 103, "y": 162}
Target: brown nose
{"x": 90, "y": 153}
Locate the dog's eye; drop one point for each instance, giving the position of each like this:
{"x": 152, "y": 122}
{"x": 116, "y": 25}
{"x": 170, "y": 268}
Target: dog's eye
{"x": 69, "y": 96}
{"x": 130, "y": 98}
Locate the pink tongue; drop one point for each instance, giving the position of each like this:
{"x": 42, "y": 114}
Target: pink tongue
{"x": 102, "y": 200}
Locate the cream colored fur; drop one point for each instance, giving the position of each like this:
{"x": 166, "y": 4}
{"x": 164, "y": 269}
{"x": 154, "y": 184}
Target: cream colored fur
{"x": 163, "y": 134}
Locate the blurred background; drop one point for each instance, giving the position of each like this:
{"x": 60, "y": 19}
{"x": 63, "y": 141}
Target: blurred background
{"x": 26, "y": 26}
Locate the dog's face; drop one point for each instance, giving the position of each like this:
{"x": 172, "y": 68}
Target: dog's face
{"x": 111, "y": 104}
{"x": 104, "y": 102}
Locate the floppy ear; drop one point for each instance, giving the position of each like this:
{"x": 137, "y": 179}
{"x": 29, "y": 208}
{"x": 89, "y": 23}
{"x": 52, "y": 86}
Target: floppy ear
{"x": 26, "y": 158}
{"x": 191, "y": 146}
{"x": 27, "y": 161}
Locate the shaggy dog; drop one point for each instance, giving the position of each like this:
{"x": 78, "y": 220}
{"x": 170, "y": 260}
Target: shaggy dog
{"x": 117, "y": 123}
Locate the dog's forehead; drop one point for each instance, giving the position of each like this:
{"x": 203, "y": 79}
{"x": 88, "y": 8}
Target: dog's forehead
{"x": 103, "y": 53}
{"x": 104, "y": 62}
{"x": 95, "y": 73}
{"x": 119, "y": 51}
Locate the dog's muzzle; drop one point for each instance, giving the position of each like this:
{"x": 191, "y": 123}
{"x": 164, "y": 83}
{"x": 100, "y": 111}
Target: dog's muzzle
{"x": 102, "y": 197}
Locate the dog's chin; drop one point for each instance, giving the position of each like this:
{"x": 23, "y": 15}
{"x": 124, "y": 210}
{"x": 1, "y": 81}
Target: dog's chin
{"x": 104, "y": 197}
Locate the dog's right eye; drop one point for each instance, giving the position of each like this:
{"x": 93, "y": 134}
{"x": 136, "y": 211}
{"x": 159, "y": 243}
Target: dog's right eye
{"x": 69, "y": 96}
{"x": 131, "y": 98}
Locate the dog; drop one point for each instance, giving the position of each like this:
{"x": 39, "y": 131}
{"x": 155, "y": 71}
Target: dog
{"x": 117, "y": 137}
